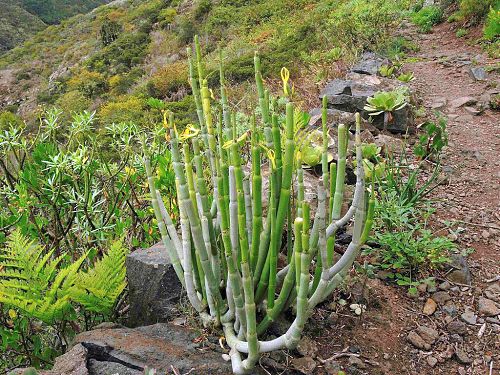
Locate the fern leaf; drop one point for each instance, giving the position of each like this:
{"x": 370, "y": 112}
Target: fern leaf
{"x": 98, "y": 289}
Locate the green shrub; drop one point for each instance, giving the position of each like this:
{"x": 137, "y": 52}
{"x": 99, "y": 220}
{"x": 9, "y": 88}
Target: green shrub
{"x": 427, "y": 17}
{"x": 461, "y": 33}
{"x": 473, "y": 11}
{"x": 89, "y": 83}
{"x": 125, "y": 109}
{"x": 73, "y": 101}
{"x": 9, "y": 119}
{"x": 491, "y": 29}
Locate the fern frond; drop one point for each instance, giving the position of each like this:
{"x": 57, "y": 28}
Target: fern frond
{"x": 28, "y": 279}
{"x": 98, "y": 289}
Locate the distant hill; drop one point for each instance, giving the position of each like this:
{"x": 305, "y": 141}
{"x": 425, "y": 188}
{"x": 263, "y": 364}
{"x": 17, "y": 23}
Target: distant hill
{"x": 20, "y": 19}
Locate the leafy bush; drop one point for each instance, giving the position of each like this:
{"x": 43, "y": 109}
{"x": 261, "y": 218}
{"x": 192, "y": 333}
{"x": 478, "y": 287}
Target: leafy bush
{"x": 427, "y": 17}
{"x": 170, "y": 79}
{"x": 73, "y": 102}
{"x": 473, "y": 11}
{"x": 123, "y": 110}
{"x": 491, "y": 30}
{"x": 9, "y": 119}
{"x": 89, "y": 83}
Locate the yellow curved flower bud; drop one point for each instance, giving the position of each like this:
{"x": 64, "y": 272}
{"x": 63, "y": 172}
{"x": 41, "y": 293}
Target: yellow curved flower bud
{"x": 189, "y": 132}
{"x": 285, "y": 76}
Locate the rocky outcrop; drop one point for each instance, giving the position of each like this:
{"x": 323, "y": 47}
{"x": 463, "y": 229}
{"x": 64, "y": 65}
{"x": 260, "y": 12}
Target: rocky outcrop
{"x": 128, "y": 351}
{"x": 350, "y": 95}
{"x": 154, "y": 288}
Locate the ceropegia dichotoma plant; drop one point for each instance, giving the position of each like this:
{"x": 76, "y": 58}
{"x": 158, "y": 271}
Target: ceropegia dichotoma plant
{"x": 232, "y": 229}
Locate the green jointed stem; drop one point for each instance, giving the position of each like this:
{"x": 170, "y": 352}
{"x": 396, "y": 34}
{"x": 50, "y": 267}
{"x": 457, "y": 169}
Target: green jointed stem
{"x": 324, "y": 156}
{"x": 195, "y": 88}
{"x": 264, "y": 107}
{"x": 297, "y": 226}
{"x": 256, "y": 197}
{"x": 341, "y": 164}
{"x": 273, "y": 257}
{"x": 161, "y": 224}
{"x": 276, "y": 132}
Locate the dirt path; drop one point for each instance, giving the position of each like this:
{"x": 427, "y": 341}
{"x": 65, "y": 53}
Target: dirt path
{"x": 472, "y": 159}
{"x": 459, "y": 337}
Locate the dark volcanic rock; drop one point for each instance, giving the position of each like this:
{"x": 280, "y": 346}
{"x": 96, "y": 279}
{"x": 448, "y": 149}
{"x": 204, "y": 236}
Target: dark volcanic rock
{"x": 350, "y": 95}
{"x": 154, "y": 288}
{"x": 159, "y": 346}
{"x": 369, "y": 63}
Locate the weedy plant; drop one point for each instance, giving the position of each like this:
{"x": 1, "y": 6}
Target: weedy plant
{"x": 386, "y": 70}
{"x": 227, "y": 254}
{"x": 406, "y": 77}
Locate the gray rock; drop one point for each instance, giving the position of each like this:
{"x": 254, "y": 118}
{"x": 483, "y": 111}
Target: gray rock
{"x": 432, "y": 361}
{"x": 159, "y": 346}
{"x": 469, "y": 317}
{"x": 417, "y": 341}
{"x": 450, "y": 309}
{"x": 445, "y": 285}
{"x": 493, "y": 292}
{"x": 355, "y": 361}
{"x": 457, "y": 327}
{"x": 461, "y": 274}
{"x": 441, "y": 297}
{"x": 369, "y": 63}
{"x": 462, "y": 356}
{"x": 430, "y": 335}
{"x": 332, "y": 367}
{"x": 487, "y": 307}
{"x": 73, "y": 362}
{"x": 307, "y": 347}
{"x": 389, "y": 145}
{"x": 154, "y": 288}
{"x": 478, "y": 73}
{"x": 463, "y": 100}
{"x": 102, "y": 367}
{"x": 305, "y": 365}
{"x": 350, "y": 95}
{"x": 334, "y": 117}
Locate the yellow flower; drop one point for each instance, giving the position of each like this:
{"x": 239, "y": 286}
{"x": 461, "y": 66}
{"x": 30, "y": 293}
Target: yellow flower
{"x": 285, "y": 76}
{"x": 12, "y": 314}
{"x": 189, "y": 132}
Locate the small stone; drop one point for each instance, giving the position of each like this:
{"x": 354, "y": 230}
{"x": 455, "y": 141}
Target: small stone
{"x": 485, "y": 234}
{"x": 462, "y": 356}
{"x": 464, "y": 100}
{"x": 438, "y": 103}
{"x": 472, "y": 110}
{"x": 429, "y": 334}
{"x": 450, "y": 308}
{"x": 429, "y": 307}
{"x": 441, "y": 297}
{"x": 332, "y": 367}
{"x": 469, "y": 317}
{"x": 493, "y": 292}
{"x": 307, "y": 347}
{"x": 305, "y": 365}
{"x": 478, "y": 73}
{"x": 355, "y": 361}
{"x": 422, "y": 288}
{"x": 432, "y": 361}
{"x": 487, "y": 307}
{"x": 417, "y": 341}
{"x": 456, "y": 338}
{"x": 457, "y": 327}
{"x": 226, "y": 357}
{"x": 445, "y": 285}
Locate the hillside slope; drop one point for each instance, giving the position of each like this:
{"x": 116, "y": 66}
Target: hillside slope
{"x": 16, "y": 25}
{"x": 21, "y": 19}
